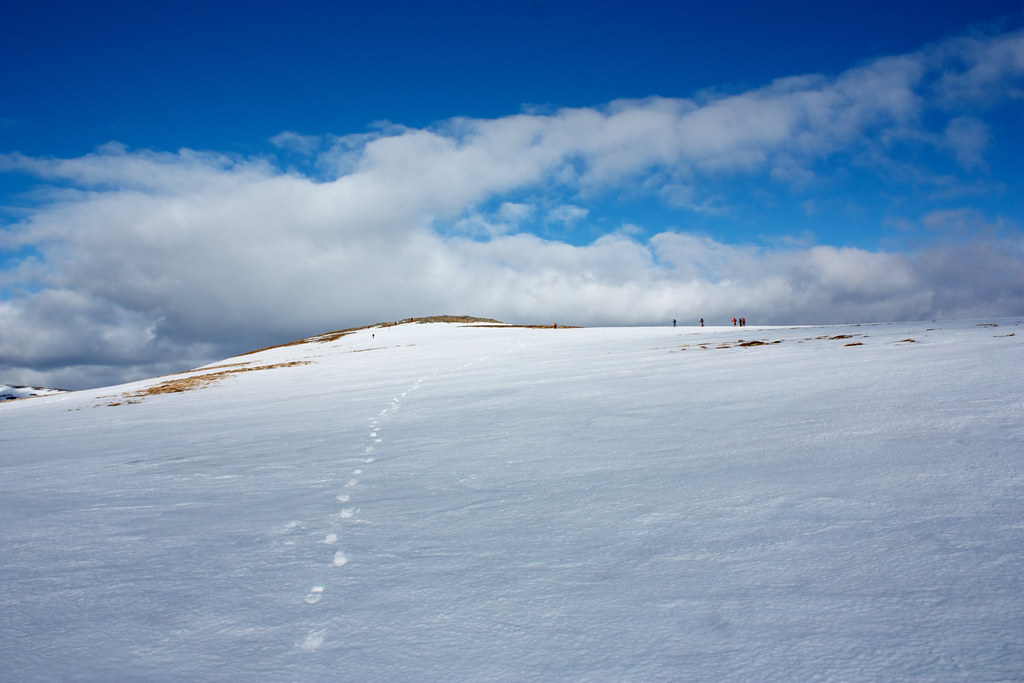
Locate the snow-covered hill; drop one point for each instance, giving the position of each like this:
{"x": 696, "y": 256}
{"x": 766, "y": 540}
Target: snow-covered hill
{"x": 453, "y": 502}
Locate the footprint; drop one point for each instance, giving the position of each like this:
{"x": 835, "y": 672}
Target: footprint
{"x": 331, "y": 539}
{"x": 315, "y": 594}
{"x": 348, "y": 513}
{"x": 373, "y": 433}
{"x": 313, "y": 640}
{"x": 352, "y": 482}
{"x": 340, "y": 559}
{"x": 343, "y": 498}
{"x": 357, "y": 472}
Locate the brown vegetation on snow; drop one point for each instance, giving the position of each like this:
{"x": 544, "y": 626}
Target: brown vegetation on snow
{"x": 182, "y": 384}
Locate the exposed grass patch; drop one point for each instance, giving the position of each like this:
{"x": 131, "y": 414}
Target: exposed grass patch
{"x": 854, "y": 344}
{"x": 448, "y": 319}
{"x": 182, "y": 384}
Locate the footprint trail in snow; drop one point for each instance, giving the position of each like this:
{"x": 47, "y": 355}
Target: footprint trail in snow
{"x": 347, "y": 515}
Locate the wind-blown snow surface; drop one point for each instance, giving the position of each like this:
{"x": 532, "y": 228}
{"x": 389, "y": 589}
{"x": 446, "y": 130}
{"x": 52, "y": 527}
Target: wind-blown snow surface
{"x": 438, "y": 502}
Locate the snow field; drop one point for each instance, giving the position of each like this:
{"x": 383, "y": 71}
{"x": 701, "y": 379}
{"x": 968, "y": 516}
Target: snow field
{"x": 457, "y": 503}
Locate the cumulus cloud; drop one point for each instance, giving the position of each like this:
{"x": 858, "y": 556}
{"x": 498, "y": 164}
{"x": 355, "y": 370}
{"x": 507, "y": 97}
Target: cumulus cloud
{"x": 136, "y": 262}
{"x": 567, "y": 214}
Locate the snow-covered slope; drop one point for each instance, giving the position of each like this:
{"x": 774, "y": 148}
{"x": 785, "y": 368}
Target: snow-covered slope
{"x": 443, "y": 502}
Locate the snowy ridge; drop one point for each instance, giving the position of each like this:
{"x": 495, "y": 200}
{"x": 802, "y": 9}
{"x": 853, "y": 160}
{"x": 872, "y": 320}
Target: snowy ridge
{"x": 451, "y": 501}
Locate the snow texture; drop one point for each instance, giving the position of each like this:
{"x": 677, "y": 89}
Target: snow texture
{"x": 449, "y": 502}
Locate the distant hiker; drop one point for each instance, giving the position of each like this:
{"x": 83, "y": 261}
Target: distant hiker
{"x": 555, "y": 326}
{"x": 673, "y": 322}
{"x": 734, "y": 322}
{"x": 702, "y": 322}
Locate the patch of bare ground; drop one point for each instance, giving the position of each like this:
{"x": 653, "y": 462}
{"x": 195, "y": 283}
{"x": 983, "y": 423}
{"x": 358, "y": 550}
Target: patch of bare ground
{"x": 854, "y": 344}
{"x": 908, "y": 340}
{"x": 448, "y": 319}
{"x": 470, "y": 321}
{"x": 727, "y": 345}
{"x": 748, "y": 343}
{"x": 182, "y": 384}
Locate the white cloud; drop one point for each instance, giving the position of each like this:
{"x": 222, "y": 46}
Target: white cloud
{"x": 968, "y": 138}
{"x": 568, "y": 214}
{"x": 979, "y": 68}
{"x": 113, "y": 167}
{"x": 141, "y": 259}
{"x": 306, "y": 145}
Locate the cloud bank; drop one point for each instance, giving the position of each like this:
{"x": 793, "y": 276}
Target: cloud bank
{"x": 128, "y": 263}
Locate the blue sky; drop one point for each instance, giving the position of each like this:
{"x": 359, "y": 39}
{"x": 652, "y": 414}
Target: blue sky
{"x": 180, "y": 181}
